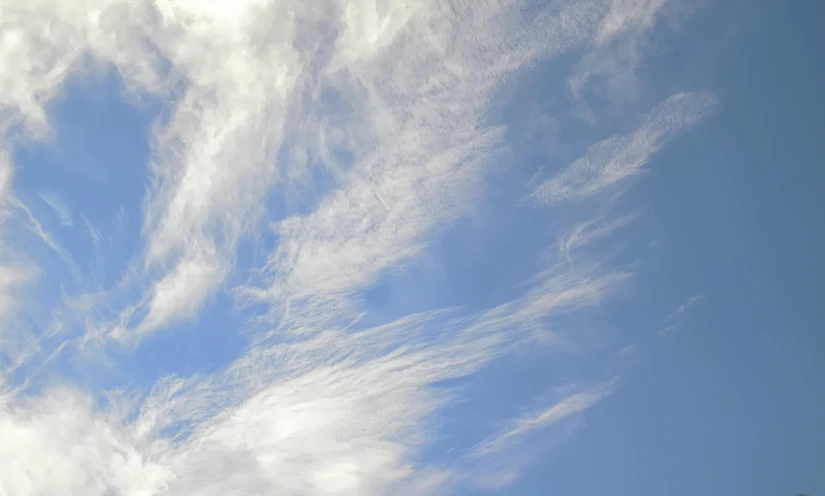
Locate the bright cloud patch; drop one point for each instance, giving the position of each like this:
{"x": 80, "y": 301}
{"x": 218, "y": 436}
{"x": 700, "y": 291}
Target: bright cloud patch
{"x": 221, "y": 333}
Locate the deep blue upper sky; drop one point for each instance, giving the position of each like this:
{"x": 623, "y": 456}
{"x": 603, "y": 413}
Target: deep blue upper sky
{"x": 732, "y": 405}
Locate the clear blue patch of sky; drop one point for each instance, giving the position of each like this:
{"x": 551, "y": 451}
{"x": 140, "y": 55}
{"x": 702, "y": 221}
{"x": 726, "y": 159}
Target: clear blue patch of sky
{"x": 96, "y": 166}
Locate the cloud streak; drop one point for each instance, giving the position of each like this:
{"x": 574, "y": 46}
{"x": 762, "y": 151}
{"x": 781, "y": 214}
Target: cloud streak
{"x": 535, "y": 421}
{"x": 608, "y": 70}
{"x": 615, "y": 159}
{"x": 685, "y": 306}
{"x": 59, "y": 206}
{"x": 678, "y": 312}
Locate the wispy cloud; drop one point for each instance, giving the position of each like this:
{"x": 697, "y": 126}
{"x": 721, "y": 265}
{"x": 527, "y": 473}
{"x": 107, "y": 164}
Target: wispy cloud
{"x": 529, "y": 423}
{"x": 428, "y": 149}
{"x": 678, "y": 312}
{"x": 627, "y": 351}
{"x": 389, "y": 104}
{"x": 13, "y": 276}
{"x": 587, "y": 232}
{"x": 608, "y": 70}
{"x": 421, "y": 149}
{"x": 685, "y": 306}
{"x": 667, "y": 330}
{"x": 340, "y": 412}
{"x": 611, "y": 62}
{"x": 619, "y": 157}
{"x": 17, "y": 271}
{"x": 60, "y": 208}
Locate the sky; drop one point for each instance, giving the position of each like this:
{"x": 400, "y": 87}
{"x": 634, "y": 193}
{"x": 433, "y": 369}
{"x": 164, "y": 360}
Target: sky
{"x": 377, "y": 247}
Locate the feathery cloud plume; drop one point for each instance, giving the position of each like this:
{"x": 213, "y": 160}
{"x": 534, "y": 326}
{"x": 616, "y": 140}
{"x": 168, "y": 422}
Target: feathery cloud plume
{"x": 619, "y": 157}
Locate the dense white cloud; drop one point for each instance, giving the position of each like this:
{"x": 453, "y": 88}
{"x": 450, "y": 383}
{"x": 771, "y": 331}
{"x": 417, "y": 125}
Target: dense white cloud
{"x": 57, "y": 443}
{"x": 390, "y": 102}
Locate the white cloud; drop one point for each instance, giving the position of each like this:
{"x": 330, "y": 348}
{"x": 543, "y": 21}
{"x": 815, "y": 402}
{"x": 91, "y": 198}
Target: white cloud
{"x": 587, "y": 232}
{"x": 667, "y": 330}
{"x": 345, "y": 412}
{"x": 532, "y": 422}
{"x": 17, "y": 272}
{"x": 619, "y": 157}
{"x": 53, "y": 200}
{"x": 684, "y": 306}
{"x": 5, "y": 180}
{"x": 55, "y": 443}
{"x": 244, "y": 78}
{"x": 619, "y": 47}
{"x": 316, "y": 406}
{"x": 44, "y": 42}
{"x": 678, "y": 312}
{"x": 13, "y": 276}
{"x": 237, "y": 77}
{"x": 342, "y": 412}
{"x": 180, "y": 293}
{"x": 428, "y": 147}
{"x": 627, "y": 351}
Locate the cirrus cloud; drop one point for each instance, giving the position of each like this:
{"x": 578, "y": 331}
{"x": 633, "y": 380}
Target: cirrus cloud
{"x": 340, "y": 139}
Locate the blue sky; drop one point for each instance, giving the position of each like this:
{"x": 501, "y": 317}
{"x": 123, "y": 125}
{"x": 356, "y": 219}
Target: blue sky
{"x": 374, "y": 247}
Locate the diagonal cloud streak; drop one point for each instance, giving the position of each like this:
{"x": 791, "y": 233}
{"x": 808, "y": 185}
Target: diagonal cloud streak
{"x": 619, "y": 157}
